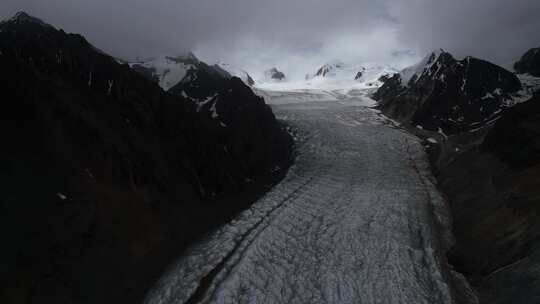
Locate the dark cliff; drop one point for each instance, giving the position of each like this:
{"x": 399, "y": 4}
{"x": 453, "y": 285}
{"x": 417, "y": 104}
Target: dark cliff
{"x": 107, "y": 177}
{"x": 493, "y": 191}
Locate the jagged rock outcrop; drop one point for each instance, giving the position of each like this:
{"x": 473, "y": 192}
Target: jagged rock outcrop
{"x": 529, "y": 63}
{"x": 329, "y": 69}
{"x": 249, "y": 80}
{"x": 442, "y": 93}
{"x": 201, "y": 82}
{"x": 274, "y": 74}
{"x": 109, "y": 176}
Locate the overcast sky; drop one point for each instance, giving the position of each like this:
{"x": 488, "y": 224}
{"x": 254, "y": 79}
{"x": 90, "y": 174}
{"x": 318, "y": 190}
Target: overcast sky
{"x": 296, "y": 35}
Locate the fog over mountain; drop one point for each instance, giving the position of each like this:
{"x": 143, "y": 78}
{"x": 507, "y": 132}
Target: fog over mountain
{"x": 296, "y": 35}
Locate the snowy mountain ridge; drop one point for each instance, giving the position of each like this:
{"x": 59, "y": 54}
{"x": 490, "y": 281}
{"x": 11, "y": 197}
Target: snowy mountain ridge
{"x": 417, "y": 70}
{"x": 441, "y": 92}
{"x": 339, "y": 71}
{"x": 165, "y": 70}
{"x": 237, "y": 72}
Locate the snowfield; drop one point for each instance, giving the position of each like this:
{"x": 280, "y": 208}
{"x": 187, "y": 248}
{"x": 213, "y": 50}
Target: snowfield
{"x": 358, "y": 219}
{"x": 167, "y": 70}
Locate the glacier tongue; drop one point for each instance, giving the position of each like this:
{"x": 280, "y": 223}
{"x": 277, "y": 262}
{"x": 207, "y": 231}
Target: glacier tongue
{"x": 356, "y": 220}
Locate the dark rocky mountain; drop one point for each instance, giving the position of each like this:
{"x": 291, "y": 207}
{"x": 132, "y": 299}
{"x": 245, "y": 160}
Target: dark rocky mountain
{"x": 249, "y": 80}
{"x": 486, "y": 157}
{"x": 359, "y": 75}
{"x": 529, "y": 63}
{"x": 149, "y": 73}
{"x": 275, "y": 75}
{"x": 442, "y": 93}
{"x": 108, "y": 177}
{"x": 515, "y": 137}
{"x": 201, "y": 82}
{"x": 491, "y": 180}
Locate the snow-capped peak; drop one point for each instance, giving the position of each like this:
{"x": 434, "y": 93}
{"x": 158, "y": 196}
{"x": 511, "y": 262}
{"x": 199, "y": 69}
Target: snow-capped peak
{"x": 418, "y": 69}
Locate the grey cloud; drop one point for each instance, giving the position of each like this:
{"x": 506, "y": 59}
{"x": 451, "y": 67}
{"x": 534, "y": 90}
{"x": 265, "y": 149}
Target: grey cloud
{"x": 497, "y": 30}
{"x": 296, "y": 34}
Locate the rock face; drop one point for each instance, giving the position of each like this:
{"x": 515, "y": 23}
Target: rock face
{"x": 201, "y": 82}
{"x": 515, "y": 137}
{"x": 110, "y": 177}
{"x": 529, "y": 63}
{"x": 238, "y": 117}
{"x": 442, "y": 93}
{"x": 493, "y": 193}
{"x": 275, "y": 75}
{"x": 249, "y": 80}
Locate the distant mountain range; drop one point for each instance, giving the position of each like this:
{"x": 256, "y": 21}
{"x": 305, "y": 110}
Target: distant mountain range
{"x": 338, "y": 71}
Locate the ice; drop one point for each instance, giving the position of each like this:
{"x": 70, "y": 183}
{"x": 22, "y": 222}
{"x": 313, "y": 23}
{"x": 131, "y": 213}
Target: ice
{"x": 357, "y": 219}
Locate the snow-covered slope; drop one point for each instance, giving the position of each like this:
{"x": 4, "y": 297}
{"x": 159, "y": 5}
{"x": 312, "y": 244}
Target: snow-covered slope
{"x": 530, "y": 85}
{"x": 333, "y": 81}
{"x": 167, "y": 71}
{"x": 237, "y": 72}
{"x": 331, "y": 69}
{"x": 414, "y": 72}
{"x": 338, "y": 71}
